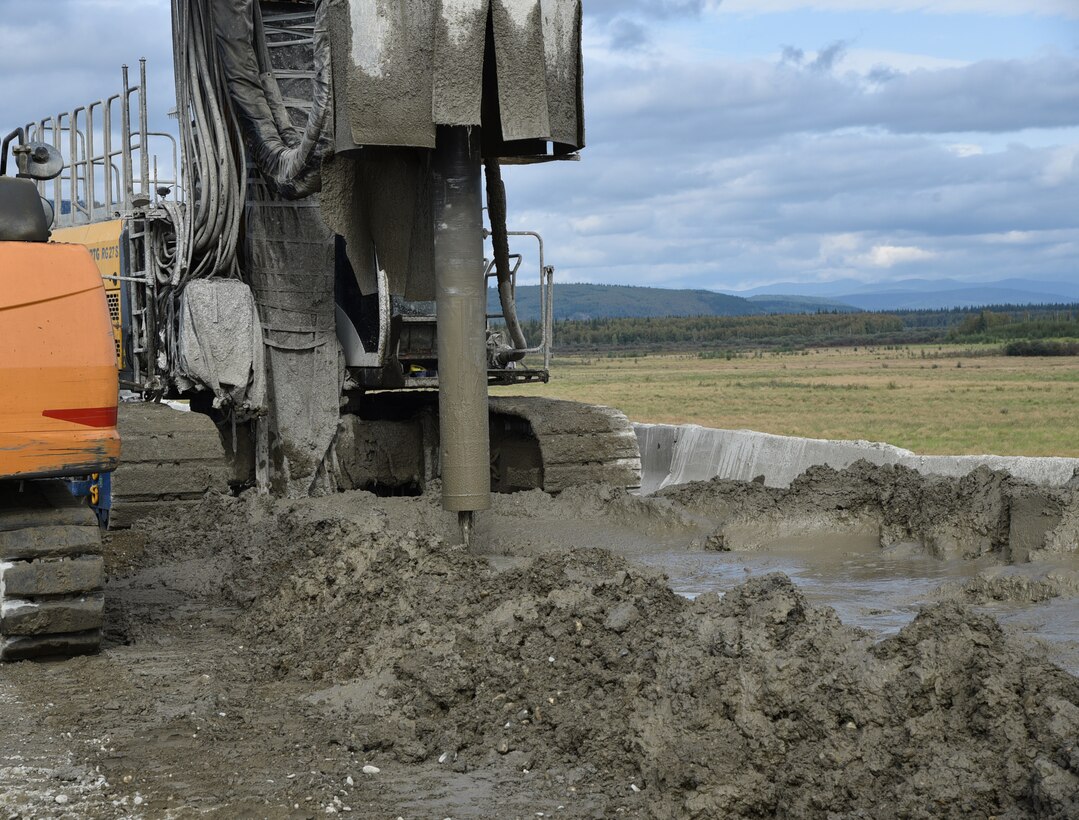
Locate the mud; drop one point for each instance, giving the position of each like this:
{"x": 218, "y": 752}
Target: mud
{"x": 987, "y": 512}
{"x": 400, "y": 69}
{"x": 260, "y": 655}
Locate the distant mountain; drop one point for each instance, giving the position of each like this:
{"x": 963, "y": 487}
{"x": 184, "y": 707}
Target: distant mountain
{"x": 945, "y": 293}
{"x": 574, "y": 301}
{"x": 583, "y": 302}
{"x": 780, "y": 303}
{"x": 945, "y": 299}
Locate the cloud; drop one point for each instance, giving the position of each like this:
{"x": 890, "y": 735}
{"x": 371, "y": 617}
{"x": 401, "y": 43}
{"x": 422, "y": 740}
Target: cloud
{"x": 655, "y": 9}
{"x": 1062, "y": 166}
{"x": 821, "y": 160}
{"x": 626, "y": 34}
{"x": 1059, "y": 8}
{"x": 827, "y": 58}
{"x": 71, "y": 54}
{"x": 888, "y": 256}
{"x": 629, "y": 24}
{"x": 720, "y": 100}
{"x": 792, "y": 55}
{"x": 802, "y": 207}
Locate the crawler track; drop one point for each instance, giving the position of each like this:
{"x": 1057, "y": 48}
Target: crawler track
{"x": 51, "y": 572}
{"x": 554, "y": 445}
{"x": 168, "y": 457}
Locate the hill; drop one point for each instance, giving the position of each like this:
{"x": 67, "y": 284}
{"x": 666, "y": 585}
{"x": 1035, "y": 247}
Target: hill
{"x": 582, "y": 302}
{"x": 945, "y": 299}
{"x": 783, "y": 303}
{"x": 926, "y": 294}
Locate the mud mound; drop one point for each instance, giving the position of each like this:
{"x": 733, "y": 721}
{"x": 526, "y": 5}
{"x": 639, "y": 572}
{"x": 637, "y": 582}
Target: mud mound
{"x": 1019, "y": 584}
{"x": 981, "y": 513}
{"x": 593, "y": 672}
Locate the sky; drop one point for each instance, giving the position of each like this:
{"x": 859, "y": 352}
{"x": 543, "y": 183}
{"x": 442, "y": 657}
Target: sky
{"x": 741, "y": 143}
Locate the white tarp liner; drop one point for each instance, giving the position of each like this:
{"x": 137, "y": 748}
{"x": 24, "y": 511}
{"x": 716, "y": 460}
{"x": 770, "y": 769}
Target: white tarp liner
{"x": 403, "y": 67}
{"x": 220, "y": 343}
{"x": 680, "y": 454}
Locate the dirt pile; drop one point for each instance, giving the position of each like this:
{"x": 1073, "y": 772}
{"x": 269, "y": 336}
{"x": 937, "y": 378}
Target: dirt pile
{"x": 983, "y": 512}
{"x": 1024, "y": 583}
{"x": 579, "y": 665}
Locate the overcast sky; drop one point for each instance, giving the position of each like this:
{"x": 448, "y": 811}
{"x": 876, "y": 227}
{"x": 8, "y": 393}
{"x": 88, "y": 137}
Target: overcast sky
{"x": 743, "y": 142}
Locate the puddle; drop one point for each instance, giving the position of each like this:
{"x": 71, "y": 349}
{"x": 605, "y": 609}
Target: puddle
{"x": 878, "y": 591}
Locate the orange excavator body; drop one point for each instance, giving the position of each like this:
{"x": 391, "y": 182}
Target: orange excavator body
{"x": 58, "y": 376}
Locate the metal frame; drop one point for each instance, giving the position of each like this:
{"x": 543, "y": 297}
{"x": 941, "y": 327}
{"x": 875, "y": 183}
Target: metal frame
{"x": 546, "y": 282}
{"x": 101, "y": 183}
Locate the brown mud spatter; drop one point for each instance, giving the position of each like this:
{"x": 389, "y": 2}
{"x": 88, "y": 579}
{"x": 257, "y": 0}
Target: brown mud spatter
{"x": 341, "y": 656}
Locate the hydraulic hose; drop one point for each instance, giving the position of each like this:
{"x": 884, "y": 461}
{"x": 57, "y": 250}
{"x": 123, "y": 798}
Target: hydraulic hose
{"x": 497, "y": 212}
{"x": 214, "y": 158}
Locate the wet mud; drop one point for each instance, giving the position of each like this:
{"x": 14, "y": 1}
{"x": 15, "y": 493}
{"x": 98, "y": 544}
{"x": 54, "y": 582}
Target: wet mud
{"x": 864, "y": 644}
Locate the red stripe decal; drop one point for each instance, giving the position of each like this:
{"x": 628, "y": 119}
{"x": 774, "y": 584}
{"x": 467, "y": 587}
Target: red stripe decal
{"x": 89, "y": 416}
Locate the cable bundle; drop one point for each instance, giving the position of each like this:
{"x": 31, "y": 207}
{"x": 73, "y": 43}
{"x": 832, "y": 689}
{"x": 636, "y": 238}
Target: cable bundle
{"x": 214, "y": 155}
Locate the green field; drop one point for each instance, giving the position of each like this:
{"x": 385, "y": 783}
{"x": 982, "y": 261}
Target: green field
{"x": 933, "y": 400}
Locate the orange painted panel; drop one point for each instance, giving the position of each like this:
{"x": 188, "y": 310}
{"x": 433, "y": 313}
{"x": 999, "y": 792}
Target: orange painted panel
{"x": 104, "y": 241}
{"x": 57, "y": 353}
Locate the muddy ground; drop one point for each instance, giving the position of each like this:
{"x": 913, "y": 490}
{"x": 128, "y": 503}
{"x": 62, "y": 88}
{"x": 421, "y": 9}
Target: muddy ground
{"x": 594, "y": 655}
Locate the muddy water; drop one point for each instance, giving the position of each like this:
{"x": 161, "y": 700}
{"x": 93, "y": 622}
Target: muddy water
{"x": 879, "y": 591}
{"x": 836, "y": 561}
{"x": 1055, "y": 624}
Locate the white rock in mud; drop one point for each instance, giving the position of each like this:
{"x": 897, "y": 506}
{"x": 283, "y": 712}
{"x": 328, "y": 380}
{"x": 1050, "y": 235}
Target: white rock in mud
{"x": 349, "y": 781}
{"x": 371, "y": 770}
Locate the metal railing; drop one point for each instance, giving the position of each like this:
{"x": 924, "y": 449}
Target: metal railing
{"x": 546, "y": 285}
{"x": 111, "y": 166}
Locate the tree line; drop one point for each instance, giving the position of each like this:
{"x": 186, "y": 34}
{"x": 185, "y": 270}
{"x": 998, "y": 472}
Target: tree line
{"x": 825, "y": 329}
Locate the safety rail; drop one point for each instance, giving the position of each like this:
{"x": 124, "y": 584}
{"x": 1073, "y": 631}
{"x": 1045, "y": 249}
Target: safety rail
{"x": 111, "y": 164}
{"x": 546, "y": 285}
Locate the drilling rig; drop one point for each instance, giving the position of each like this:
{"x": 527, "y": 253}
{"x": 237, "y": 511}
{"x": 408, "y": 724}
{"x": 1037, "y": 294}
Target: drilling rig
{"x": 309, "y": 270}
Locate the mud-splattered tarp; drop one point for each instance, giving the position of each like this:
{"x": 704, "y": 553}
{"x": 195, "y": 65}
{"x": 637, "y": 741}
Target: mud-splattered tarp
{"x": 403, "y": 67}
{"x": 220, "y": 344}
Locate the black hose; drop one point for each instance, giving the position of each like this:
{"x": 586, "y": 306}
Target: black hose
{"x": 497, "y": 211}
{"x": 214, "y": 159}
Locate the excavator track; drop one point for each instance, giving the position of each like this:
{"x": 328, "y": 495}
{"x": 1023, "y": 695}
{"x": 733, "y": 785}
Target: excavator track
{"x": 552, "y": 445}
{"x": 51, "y": 572}
{"x": 169, "y": 457}
{"x": 536, "y": 443}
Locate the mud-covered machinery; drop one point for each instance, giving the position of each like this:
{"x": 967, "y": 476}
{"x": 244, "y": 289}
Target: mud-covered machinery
{"x": 305, "y": 259}
{"x": 58, "y": 439}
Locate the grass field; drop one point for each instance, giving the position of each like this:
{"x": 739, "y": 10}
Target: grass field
{"x": 932, "y": 400}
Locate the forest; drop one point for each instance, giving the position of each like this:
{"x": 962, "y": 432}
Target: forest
{"x": 712, "y": 335}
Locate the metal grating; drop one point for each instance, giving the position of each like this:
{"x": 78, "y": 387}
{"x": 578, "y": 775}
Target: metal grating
{"x": 113, "y": 299}
{"x": 114, "y": 307}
